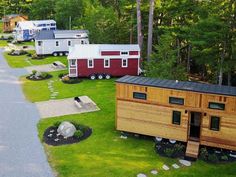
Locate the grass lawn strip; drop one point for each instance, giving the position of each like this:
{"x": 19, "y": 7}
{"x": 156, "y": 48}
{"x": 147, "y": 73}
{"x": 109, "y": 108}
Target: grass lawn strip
{"x": 105, "y": 153}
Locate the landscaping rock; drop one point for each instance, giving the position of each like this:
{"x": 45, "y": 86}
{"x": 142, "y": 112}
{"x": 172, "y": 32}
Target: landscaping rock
{"x": 66, "y": 129}
{"x": 123, "y": 137}
{"x": 175, "y": 166}
{"x": 185, "y": 163}
{"x": 154, "y": 172}
{"x": 165, "y": 167}
{"x": 141, "y": 175}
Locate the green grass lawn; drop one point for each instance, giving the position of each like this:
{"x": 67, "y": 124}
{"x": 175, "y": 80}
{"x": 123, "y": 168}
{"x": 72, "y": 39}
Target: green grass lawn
{"x": 25, "y": 43}
{"x": 104, "y": 154}
{"x": 3, "y": 43}
{"x": 21, "y": 61}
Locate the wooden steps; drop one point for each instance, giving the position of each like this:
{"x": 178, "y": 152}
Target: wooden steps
{"x": 192, "y": 149}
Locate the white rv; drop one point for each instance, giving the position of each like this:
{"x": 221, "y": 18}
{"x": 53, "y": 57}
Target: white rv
{"x": 58, "y": 42}
{"x": 26, "y": 30}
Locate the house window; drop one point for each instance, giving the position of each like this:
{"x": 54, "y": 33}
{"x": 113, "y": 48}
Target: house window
{"x": 57, "y": 43}
{"x": 106, "y": 63}
{"x": 174, "y": 100}
{"x": 90, "y": 63}
{"x": 176, "y": 117}
{"x": 124, "y": 62}
{"x": 219, "y": 106}
{"x": 69, "y": 43}
{"x": 141, "y": 96}
{"x": 215, "y": 123}
{"x": 40, "y": 43}
{"x": 73, "y": 62}
{"x": 124, "y": 53}
{"x": 82, "y": 42}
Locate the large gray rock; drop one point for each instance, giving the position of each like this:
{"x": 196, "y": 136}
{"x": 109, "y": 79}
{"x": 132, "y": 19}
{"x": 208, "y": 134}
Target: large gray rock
{"x": 66, "y": 129}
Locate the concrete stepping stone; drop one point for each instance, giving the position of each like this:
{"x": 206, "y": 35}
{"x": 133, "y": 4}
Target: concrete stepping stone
{"x": 141, "y": 175}
{"x": 185, "y": 163}
{"x": 123, "y": 137}
{"x": 165, "y": 167}
{"x": 175, "y": 166}
{"x": 154, "y": 172}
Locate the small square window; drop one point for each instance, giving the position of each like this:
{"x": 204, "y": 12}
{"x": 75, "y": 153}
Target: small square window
{"x": 73, "y": 62}
{"x": 69, "y": 43}
{"x": 57, "y": 43}
{"x": 124, "y": 62}
{"x": 124, "y": 53}
{"x": 141, "y": 96}
{"x": 40, "y": 43}
{"x": 176, "y": 117}
{"x": 106, "y": 63}
{"x": 219, "y": 106}
{"x": 90, "y": 63}
{"x": 174, "y": 100}
{"x": 215, "y": 123}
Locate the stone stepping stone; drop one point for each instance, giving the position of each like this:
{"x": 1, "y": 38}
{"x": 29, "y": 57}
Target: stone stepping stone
{"x": 123, "y": 137}
{"x": 175, "y": 166}
{"x": 165, "y": 167}
{"x": 141, "y": 175}
{"x": 185, "y": 163}
{"x": 154, "y": 172}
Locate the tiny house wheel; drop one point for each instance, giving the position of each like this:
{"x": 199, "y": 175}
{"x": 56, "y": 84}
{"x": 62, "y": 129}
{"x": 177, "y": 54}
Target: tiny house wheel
{"x": 55, "y": 54}
{"x": 108, "y": 76}
{"x": 92, "y": 77}
{"x": 100, "y": 76}
{"x": 66, "y": 53}
{"x": 61, "y": 54}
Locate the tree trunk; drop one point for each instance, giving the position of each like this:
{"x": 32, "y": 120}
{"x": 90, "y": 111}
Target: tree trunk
{"x": 188, "y": 59}
{"x": 222, "y": 57}
{"x": 139, "y": 25}
{"x": 150, "y": 29}
{"x": 229, "y": 78}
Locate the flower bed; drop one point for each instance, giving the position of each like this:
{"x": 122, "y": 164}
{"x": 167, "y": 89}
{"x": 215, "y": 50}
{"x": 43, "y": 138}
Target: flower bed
{"x": 51, "y": 136}
{"x": 38, "y": 76}
{"x": 69, "y": 80}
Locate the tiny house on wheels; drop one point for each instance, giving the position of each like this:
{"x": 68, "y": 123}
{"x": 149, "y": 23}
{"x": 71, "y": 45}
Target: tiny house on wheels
{"x": 195, "y": 113}
{"x": 10, "y": 21}
{"x": 104, "y": 60}
{"x": 26, "y": 30}
{"x": 57, "y": 42}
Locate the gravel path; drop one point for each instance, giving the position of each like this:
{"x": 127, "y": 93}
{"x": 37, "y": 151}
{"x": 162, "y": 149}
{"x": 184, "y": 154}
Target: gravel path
{"x": 21, "y": 153}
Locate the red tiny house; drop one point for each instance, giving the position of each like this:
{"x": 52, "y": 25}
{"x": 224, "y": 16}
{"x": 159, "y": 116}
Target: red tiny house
{"x": 104, "y": 60}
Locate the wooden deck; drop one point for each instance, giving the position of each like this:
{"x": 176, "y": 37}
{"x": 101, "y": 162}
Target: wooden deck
{"x": 192, "y": 149}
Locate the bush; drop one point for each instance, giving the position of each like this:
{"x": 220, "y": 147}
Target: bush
{"x": 78, "y": 133}
{"x": 34, "y": 72}
{"x": 44, "y": 75}
{"x": 35, "y": 56}
{"x": 203, "y": 153}
{"x": 61, "y": 75}
{"x": 224, "y": 158}
{"x": 169, "y": 152}
{"x": 213, "y": 158}
{"x": 179, "y": 147}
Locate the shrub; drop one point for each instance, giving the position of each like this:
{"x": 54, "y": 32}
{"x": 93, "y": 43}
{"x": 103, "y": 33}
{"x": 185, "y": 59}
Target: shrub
{"x": 224, "y": 158}
{"x": 56, "y": 124}
{"x": 179, "y": 147}
{"x": 203, "y": 153}
{"x": 213, "y": 158}
{"x": 44, "y": 75}
{"x": 169, "y": 152}
{"x": 61, "y": 75}
{"x": 34, "y": 72}
{"x": 78, "y": 133}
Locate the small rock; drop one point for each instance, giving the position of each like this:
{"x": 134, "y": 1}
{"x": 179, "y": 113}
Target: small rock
{"x": 56, "y": 139}
{"x": 123, "y": 137}
{"x": 185, "y": 163}
{"x": 154, "y": 172}
{"x": 175, "y": 166}
{"x": 141, "y": 175}
{"x": 51, "y": 131}
{"x": 165, "y": 167}
{"x": 50, "y": 135}
{"x": 232, "y": 155}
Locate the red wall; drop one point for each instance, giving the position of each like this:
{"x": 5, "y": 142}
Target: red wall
{"x": 115, "y": 68}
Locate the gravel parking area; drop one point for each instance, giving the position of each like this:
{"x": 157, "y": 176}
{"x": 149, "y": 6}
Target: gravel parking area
{"x": 54, "y": 108}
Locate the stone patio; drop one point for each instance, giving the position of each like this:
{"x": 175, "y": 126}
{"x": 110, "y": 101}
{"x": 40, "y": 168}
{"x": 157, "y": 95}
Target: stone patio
{"x": 54, "y": 108}
{"x": 47, "y": 67}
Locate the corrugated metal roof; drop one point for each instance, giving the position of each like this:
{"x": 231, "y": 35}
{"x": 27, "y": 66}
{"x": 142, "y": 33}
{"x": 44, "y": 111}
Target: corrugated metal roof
{"x": 50, "y": 34}
{"x": 179, "y": 85}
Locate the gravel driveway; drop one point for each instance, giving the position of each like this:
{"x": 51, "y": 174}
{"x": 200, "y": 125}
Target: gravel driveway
{"x": 21, "y": 153}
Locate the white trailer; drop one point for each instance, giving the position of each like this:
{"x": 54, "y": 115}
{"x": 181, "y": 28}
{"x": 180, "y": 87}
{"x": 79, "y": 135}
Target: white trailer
{"x": 58, "y": 42}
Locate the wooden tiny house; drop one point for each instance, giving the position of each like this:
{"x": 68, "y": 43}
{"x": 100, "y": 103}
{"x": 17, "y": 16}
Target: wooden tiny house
{"x": 196, "y": 113}
{"x": 10, "y": 21}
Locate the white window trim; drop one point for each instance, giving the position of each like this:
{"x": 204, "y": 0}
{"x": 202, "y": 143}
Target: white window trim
{"x": 124, "y": 66}
{"x": 92, "y": 63}
{"x": 71, "y": 62}
{"x": 124, "y": 54}
{"x": 58, "y": 44}
{"x": 104, "y": 62}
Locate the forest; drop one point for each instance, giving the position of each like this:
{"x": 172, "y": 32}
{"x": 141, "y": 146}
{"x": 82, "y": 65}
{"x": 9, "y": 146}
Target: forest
{"x": 187, "y": 39}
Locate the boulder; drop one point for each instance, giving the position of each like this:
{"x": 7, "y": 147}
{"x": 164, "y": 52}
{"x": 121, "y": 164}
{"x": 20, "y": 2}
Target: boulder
{"x": 66, "y": 129}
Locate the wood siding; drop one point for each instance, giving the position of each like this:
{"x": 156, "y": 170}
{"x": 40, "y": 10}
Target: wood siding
{"x": 154, "y": 116}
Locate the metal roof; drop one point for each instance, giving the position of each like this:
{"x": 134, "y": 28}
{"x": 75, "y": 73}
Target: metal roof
{"x": 50, "y": 34}
{"x": 179, "y": 85}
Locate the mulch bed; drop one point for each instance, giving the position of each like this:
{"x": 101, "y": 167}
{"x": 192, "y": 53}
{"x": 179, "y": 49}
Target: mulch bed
{"x": 62, "y": 140}
{"x": 71, "y": 80}
{"x": 39, "y": 79}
